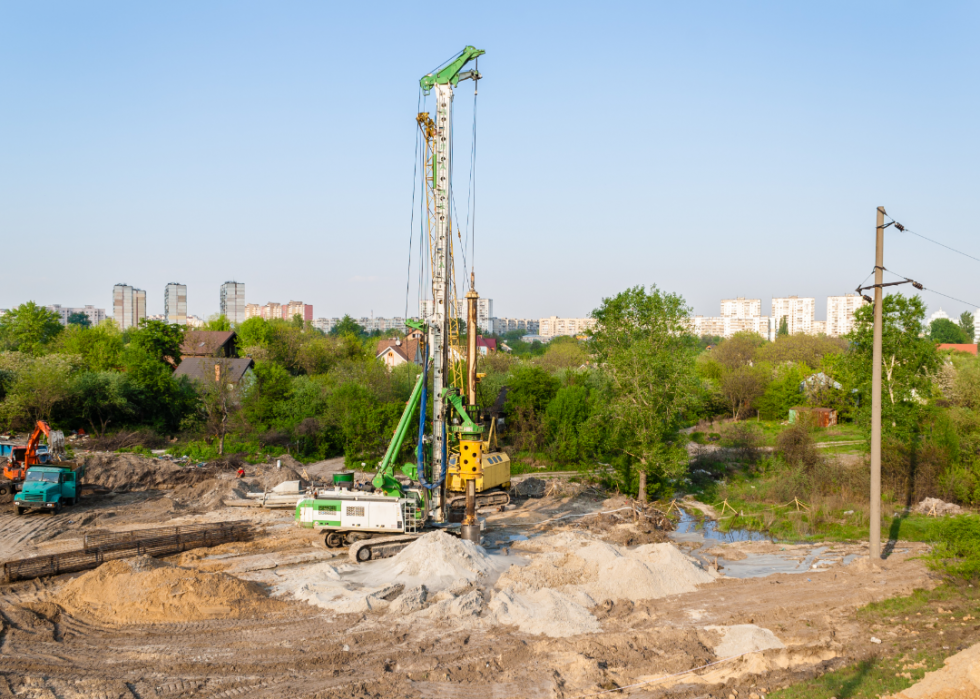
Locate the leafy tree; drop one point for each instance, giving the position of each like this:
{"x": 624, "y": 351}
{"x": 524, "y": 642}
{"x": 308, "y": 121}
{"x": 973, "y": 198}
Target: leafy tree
{"x": 218, "y": 322}
{"x": 641, "y": 342}
{"x": 741, "y": 386}
{"x": 29, "y": 328}
{"x": 783, "y": 326}
{"x": 908, "y": 362}
{"x": 79, "y": 318}
{"x": 158, "y": 340}
{"x": 253, "y": 332}
{"x": 347, "y": 326}
{"x": 945, "y": 331}
{"x": 272, "y": 386}
{"x": 567, "y": 412}
{"x": 100, "y": 347}
{"x": 101, "y": 399}
{"x": 562, "y": 353}
{"x": 39, "y": 384}
{"x": 782, "y": 393}
{"x": 532, "y": 388}
{"x": 738, "y": 350}
{"x": 801, "y": 349}
{"x": 967, "y": 326}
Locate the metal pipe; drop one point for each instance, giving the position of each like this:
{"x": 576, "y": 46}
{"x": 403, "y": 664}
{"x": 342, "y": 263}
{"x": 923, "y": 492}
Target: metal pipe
{"x": 471, "y": 351}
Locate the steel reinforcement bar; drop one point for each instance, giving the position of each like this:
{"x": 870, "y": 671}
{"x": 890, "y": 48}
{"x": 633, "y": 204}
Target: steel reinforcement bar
{"x": 100, "y": 548}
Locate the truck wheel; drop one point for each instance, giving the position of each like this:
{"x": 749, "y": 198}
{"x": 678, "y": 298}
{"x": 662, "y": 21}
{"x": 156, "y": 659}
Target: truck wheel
{"x": 19, "y": 511}
{"x": 334, "y": 540}
{"x": 3, "y": 490}
{"x": 57, "y": 509}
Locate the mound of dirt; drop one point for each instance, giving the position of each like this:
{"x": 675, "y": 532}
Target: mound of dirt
{"x": 530, "y": 487}
{"x": 125, "y": 472}
{"x": 145, "y": 590}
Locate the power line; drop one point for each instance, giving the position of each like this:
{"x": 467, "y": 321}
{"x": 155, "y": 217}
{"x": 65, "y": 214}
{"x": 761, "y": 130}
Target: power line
{"x": 903, "y": 229}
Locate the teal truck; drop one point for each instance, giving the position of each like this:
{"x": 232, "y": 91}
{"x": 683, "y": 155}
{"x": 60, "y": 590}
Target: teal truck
{"x": 49, "y": 487}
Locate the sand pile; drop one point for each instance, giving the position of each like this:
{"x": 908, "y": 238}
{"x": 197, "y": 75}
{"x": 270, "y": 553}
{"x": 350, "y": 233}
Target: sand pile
{"x": 577, "y": 565}
{"x": 573, "y": 573}
{"x": 444, "y": 578}
{"x": 145, "y": 590}
{"x": 126, "y": 472}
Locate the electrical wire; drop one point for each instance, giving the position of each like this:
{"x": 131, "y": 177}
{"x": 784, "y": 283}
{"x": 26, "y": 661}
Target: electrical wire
{"x": 411, "y": 225}
{"x": 931, "y": 290}
{"x": 903, "y": 229}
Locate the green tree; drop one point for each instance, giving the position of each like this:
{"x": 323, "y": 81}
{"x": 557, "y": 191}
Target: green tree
{"x": 641, "y": 340}
{"x": 100, "y": 347}
{"x": 531, "y": 388}
{"x": 347, "y": 326}
{"x": 967, "y": 326}
{"x": 79, "y": 319}
{"x": 271, "y": 388}
{"x": 741, "y": 386}
{"x": 783, "y": 326}
{"x": 801, "y": 349}
{"x": 29, "y": 328}
{"x": 565, "y": 416}
{"x": 39, "y": 384}
{"x": 738, "y": 350}
{"x": 945, "y": 331}
{"x": 101, "y": 399}
{"x": 908, "y": 363}
{"x": 219, "y": 403}
{"x": 218, "y": 322}
{"x": 253, "y": 332}
{"x": 158, "y": 340}
{"x": 782, "y": 393}
{"x": 562, "y": 353}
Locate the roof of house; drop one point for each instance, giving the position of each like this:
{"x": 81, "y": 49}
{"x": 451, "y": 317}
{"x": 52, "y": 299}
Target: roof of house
{"x": 972, "y": 349}
{"x": 489, "y": 343}
{"x": 205, "y": 343}
{"x": 200, "y": 368}
{"x": 407, "y": 349}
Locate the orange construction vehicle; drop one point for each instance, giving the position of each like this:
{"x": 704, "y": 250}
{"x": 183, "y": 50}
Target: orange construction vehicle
{"x": 22, "y": 458}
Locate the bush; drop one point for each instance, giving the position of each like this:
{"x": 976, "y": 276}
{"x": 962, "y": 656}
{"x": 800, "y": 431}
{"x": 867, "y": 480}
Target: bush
{"x": 957, "y": 549}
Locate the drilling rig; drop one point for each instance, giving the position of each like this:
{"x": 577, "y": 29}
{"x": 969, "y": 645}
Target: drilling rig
{"x": 456, "y": 470}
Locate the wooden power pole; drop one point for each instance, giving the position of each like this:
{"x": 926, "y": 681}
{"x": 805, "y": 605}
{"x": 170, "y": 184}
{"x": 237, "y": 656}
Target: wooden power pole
{"x": 875, "y": 534}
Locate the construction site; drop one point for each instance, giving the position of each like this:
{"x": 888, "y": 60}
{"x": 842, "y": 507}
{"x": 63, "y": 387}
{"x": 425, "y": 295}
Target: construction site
{"x": 572, "y": 592}
{"x": 441, "y": 571}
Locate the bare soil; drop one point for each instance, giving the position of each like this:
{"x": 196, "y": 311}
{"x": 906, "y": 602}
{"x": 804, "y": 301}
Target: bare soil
{"x": 55, "y": 641}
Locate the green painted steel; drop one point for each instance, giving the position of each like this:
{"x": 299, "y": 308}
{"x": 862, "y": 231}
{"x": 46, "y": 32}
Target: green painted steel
{"x": 384, "y": 478}
{"x": 450, "y": 74}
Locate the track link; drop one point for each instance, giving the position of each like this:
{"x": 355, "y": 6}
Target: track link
{"x": 379, "y": 547}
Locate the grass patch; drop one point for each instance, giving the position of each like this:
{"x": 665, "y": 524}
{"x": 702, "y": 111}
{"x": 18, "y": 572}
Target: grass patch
{"x": 918, "y": 632}
{"x": 869, "y": 679}
{"x": 253, "y": 452}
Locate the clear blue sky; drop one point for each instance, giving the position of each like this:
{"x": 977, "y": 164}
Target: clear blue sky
{"x": 715, "y": 149}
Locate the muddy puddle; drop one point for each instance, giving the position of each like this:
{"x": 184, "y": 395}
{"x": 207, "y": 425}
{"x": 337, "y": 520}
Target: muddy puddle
{"x": 746, "y": 553}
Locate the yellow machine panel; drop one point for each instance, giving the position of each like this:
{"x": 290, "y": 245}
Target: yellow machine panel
{"x": 496, "y": 473}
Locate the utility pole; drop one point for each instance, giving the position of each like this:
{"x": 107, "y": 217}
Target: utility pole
{"x": 875, "y": 533}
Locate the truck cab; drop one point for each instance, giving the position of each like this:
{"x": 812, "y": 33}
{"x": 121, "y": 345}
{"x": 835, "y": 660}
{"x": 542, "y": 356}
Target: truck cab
{"x": 48, "y": 487}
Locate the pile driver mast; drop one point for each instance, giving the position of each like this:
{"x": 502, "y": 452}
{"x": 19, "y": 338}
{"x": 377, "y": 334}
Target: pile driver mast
{"x": 439, "y": 134}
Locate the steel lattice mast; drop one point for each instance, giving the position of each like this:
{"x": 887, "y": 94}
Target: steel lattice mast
{"x": 442, "y": 83}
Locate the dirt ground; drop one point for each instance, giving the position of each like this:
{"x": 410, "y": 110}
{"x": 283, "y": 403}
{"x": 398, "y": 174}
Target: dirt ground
{"x": 59, "y": 639}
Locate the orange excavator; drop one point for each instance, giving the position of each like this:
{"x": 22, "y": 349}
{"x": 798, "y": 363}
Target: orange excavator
{"x": 22, "y": 458}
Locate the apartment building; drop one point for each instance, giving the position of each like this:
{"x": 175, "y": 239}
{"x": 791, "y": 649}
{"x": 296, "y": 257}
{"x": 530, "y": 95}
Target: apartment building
{"x": 128, "y": 305}
{"x": 297, "y": 308}
{"x": 484, "y": 313}
{"x": 840, "y": 313}
{"x": 554, "y": 326}
{"x": 797, "y": 311}
{"x": 530, "y": 326}
{"x": 741, "y": 308}
{"x": 232, "y": 302}
{"x": 175, "y": 303}
{"x": 94, "y": 315}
